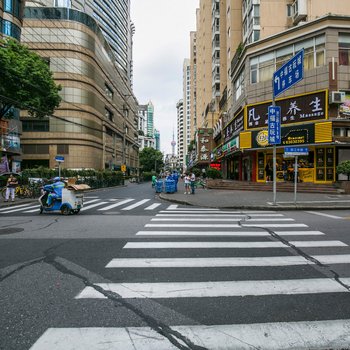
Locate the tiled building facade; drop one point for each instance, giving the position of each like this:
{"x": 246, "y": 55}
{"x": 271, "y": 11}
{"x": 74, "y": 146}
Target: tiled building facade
{"x": 95, "y": 125}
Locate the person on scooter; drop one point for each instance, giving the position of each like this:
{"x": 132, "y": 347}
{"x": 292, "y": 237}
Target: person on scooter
{"x": 56, "y": 193}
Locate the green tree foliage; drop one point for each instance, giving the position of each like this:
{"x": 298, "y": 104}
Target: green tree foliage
{"x": 213, "y": 173}
{"x": 344, "y": 168}
{"x": 26, "y": 81}
{"x": 151, "y": 159}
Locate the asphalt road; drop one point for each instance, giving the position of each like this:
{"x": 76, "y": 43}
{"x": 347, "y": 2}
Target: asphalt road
{"x": 174, "y": 277}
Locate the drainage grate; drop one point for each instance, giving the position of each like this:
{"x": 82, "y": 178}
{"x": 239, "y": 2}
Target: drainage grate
{"x": 10, "y": 230}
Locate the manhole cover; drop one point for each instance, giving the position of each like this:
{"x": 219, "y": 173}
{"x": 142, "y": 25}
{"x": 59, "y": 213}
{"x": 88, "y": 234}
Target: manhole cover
{"x": 10, "y": 230}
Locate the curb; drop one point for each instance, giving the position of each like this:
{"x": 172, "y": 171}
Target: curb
{"x": 260, "y": 207}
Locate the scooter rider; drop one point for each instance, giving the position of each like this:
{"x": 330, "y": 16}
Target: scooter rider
{"x": 56, "y": 188}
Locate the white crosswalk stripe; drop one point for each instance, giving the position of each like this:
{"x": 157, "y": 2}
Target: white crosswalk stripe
{"x": 236, "y": 245}
{"x": 265, "y": 336}
{"x": 302, "y": 334}
{"x": 92, "y": 203}
{"x": 226, "y": 262}
{"x": 136, "y": 204}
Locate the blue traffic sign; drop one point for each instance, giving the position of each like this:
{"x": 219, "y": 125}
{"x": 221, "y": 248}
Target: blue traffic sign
{"x": 296, "y": 151}
{"x": 289, "y": 74}
{"x": 59, "y": 159}
{"x": 274, "y": 125}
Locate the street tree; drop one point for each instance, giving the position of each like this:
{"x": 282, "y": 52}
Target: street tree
{"x": 26, "y": 81}
{"x": 151, "y": 159}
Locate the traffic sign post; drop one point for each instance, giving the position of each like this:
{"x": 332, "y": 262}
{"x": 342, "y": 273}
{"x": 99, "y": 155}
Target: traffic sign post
{"x": 295, "y": 152}
{"x": 274, "y": 125}
{"x": 284, "y": 78}
{"x": 59, "y": 160}
{"x": 289, "y": 74}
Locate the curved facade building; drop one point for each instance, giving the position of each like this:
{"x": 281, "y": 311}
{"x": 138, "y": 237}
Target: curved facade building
{"x": 11, "y": 14}
{"x": 95, "y": 124}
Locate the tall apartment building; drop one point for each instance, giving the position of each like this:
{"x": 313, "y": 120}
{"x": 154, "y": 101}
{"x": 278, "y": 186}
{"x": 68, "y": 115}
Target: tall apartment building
{"x": 252, "y": 46}
{"x": 180, "y": 132}
{"x": 193, "y": 83}
{"x": 95, "y": 126}
{"x": 187, "y": 102}
{"x": 146, "y": 129}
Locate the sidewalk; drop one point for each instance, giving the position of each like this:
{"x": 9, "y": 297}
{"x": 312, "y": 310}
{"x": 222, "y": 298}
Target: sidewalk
{"x": 260, "y": 200}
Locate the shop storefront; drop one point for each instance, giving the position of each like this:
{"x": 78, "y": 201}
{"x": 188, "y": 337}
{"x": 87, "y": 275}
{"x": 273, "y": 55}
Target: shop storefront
{"x": 304, "y": 123}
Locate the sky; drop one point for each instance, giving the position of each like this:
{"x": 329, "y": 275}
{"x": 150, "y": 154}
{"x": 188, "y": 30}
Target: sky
{"x": 161, "y": 43}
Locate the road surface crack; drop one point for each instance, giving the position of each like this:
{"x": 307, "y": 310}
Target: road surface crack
{"x": 298, "y": 251}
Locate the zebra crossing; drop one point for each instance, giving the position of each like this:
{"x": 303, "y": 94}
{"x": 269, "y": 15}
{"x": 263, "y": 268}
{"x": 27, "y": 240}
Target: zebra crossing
{"x": 93, "y": 205}
{"x": 253, "y": 240}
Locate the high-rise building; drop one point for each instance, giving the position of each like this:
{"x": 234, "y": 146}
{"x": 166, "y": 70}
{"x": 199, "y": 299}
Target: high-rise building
{"x": 180, "y": 131}
{"x": 148, "y": 136}
{"x": 11, "y": 18}
{"x": 95, "y": 125}
{"x": 157, "y": 139}
{"x": 187, "y": 102}
{"x": 150, "y": 120}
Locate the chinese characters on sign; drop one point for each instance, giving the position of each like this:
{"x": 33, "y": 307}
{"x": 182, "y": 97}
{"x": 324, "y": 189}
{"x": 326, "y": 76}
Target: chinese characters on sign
{"x": 293, "y": 110}
{"x": 289, "y": 74}
{"x": 274, "y": 125}
{"x": 204, "y": 145}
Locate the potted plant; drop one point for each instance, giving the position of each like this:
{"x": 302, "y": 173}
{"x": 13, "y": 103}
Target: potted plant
{"x": 344, "y": 169}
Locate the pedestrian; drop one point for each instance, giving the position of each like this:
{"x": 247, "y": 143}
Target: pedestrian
{"x": 187, "y": 184}
{"x": 285, "y": 170}
{"x": 192, "y": 182}
{"x": 11, "y": 185}
{"x": 268, "y": 172}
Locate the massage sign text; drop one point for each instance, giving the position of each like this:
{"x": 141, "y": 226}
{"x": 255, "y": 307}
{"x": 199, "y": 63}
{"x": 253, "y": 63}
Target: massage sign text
{"x": 299, "y": 109}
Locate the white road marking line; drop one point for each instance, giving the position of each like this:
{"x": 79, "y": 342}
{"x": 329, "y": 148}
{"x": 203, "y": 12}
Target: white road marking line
{"x": 172, "y": 206}
{"x": 91, "y": 196}
{"x": 137, "y": 204}
{"x": 228, "y": 233}
{"x": 118, "y": 204}
{"x": 244, "y": 224}
{"x": 235, "y": 245}
{"x": 272, "y": 336}
{"x": 210, "y": 289}
{"x": 217, "y": 211}
{"x": 323, "y": 214}
{"x": 217, "y": 219}
{"x": 93, "y": 206}
{"x": 15, "y": 206}
{"x": 92, "y": 201}
{"x": 33, "y": 210}
{"x": 153, "y": 206}
{"x": 225, "y": 262}
{"x": 226, "y": 225}
{"x": 19, "y": 209}
{"x": 217, "y": 215}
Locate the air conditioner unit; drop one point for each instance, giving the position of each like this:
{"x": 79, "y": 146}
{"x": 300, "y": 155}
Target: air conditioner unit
{"x": 337, "y": 97}
{"x": 299, "y": 11}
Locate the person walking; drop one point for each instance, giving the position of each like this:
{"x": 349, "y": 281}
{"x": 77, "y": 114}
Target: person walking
{"x": 11, "y": 185}
{"x": 187, "y": 184}
{"x": 192, "y": 182}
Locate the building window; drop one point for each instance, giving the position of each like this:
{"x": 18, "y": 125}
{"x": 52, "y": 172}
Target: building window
{"x": 35, "y": 149}
{"x": 35, "y": 125}
{"x": 108, "y": 114}
{"x": 344, "y": 49}
{"x": 62, "y": 149}
{"x": 239, "y": 85}
{"x": 108, "y": 91}
{"x": 263, "y": 66}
